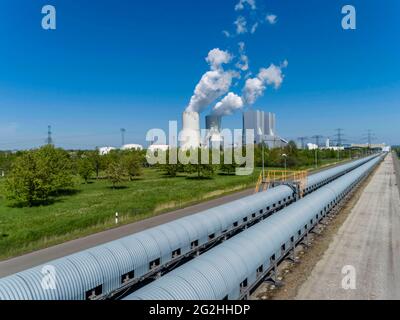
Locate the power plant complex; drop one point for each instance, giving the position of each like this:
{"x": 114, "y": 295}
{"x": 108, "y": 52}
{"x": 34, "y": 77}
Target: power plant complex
{"x": 261, "y": 123}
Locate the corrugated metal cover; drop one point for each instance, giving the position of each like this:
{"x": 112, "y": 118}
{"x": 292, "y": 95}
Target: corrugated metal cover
{"x": 14, "y": 288}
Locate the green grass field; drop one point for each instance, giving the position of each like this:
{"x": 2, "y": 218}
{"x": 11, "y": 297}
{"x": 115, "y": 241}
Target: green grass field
{"x": 91, "y": 208}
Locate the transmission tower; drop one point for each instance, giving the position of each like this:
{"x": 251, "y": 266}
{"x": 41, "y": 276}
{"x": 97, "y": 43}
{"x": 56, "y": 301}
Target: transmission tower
{"x": 317, "y": 139}
{"x": 370, "y": 137}
{"x": 302, "y": 141}
{"x": 123, "y": 136}
{"x": 339, "y": 137}
{"x": 49, "y": 139}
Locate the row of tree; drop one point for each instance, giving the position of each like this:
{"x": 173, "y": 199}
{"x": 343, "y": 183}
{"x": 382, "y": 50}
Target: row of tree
{"x": 290, "y": 155}
{"x": 37, "y": 176}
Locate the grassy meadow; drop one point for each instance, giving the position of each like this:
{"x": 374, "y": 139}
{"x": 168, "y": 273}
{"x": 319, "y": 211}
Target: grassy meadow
{"x": 91, "y": 207}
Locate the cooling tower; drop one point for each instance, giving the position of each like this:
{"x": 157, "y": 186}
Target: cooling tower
{"x": 190, "y": 135}
{"x": 213, "y": 123}
{"x": 213, "y": 127}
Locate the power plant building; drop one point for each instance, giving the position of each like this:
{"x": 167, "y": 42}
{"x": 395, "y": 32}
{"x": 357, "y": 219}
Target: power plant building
{"x": 263, "y": 125}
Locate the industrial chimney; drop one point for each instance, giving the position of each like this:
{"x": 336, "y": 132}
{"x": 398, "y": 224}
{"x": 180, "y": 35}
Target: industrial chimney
{"x": 190, "y": 135}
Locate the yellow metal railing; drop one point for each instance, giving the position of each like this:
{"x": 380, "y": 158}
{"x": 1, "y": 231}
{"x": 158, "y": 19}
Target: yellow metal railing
{"x": 273, "y": 177}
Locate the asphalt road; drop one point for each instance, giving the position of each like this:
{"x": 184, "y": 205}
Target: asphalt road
{"x": 36, "y": 258}
{"x": 369, "y": 241}
{"x": 39, "y": 257}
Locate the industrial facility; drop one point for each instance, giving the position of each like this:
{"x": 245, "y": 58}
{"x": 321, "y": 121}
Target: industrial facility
{"x": 262, "y": 123}
{"x": 112, "y": 270}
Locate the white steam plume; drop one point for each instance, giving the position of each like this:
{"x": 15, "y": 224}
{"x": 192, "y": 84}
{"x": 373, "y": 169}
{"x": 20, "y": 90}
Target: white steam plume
{"x": 241, "y": 25}
{"x": 255, "y": 87}
{"x": 216, "y": 58}
{"x": 240, "y": 5}
{"x": 271, "y": 18}
{"x": 228, "y": 105}
{"x": 243, "y": 63}
{"x": 213, "y": 84}
{"x": 271, "y": 76}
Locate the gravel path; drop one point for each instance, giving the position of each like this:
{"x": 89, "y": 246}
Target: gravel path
{"x": 369, "y": 240}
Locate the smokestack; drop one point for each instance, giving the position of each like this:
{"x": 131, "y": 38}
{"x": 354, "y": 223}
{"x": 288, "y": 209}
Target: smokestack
{"x": 190, "y": 135}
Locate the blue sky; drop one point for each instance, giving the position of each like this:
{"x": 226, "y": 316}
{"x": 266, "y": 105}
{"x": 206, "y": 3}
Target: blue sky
{"x": 135, "y": 64}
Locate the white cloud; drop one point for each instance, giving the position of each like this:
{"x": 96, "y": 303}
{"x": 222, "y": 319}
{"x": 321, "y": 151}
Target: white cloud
{"x": 241, "y": 25}
{"x": 254, "y": 28}
{"x": 228, "y": 105}
{"x": 240, "y": 5}
{"x": 216, "y": 58}
{"x": 271, "y": 18}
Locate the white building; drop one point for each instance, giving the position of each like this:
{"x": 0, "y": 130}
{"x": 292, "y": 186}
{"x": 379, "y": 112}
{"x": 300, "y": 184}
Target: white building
{"x": 106, "y": 150}
{"x": 137, "y": 147}
{"x": 158, "y": 147}
{"x": 312, "y": 146}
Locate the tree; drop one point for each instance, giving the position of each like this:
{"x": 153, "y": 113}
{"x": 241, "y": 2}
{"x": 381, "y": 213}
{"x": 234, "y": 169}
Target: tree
{"x": 36, "y": 175}
{"x": 21, "y": 185}
{"x": 133, "y": 162}
{"x": 116, "y": 173}
{"x": 202, "y": 168}
{"x": 85, "y": 168}
{"x": 228, "y": 168}
{"x": 170, "y": 168}
{"x": 97, "y": 161}
{"x": 54, "y": 167}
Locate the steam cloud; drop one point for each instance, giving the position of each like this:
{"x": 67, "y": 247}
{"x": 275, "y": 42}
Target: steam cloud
{"x": 228, "y": 105}
{"x": 240, "y": 5}
{"x": 214, "y": 83}
{"x": 243, "y": 63}
{"x": 216, "y": 58}
{"x": 241, "y": 25}
{"x": 255, "y": 87}
{"x": 271, "y": 18}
